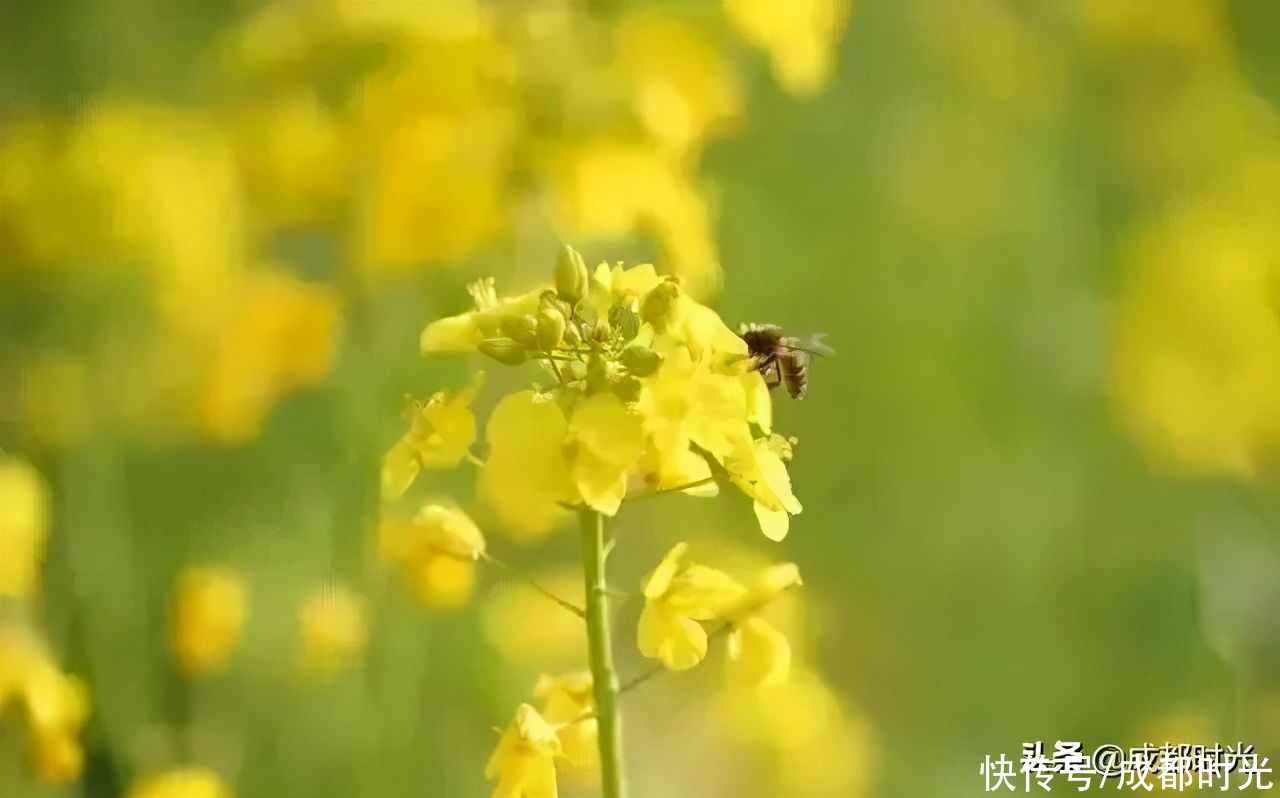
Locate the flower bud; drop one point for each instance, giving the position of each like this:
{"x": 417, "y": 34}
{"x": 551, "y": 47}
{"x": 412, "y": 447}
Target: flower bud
{"x": 503, "y": 350}
{"x": 627, "y": 389}
{"x": 551, "y": 326}
{"x": 641, "y": 361}
{"x": 571, "y": 275}
{"x": 659, "y": 303}
{"x": 521, "y": 329}
{"x": 572, "y": 335}
{"x": 625, "y": 321}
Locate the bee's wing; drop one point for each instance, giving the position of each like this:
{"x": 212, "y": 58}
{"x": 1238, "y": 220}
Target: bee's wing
{"x": 814, "y": 345}
{"x": 818, "y": 346}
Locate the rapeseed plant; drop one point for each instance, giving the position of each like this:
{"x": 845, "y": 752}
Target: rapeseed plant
{"x": 643, "y": 391}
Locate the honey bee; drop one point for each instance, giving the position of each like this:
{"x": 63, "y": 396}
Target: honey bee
{"x": 782, "y": 358}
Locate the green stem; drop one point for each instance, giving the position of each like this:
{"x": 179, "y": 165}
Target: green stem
{"x": 604, "y": 676}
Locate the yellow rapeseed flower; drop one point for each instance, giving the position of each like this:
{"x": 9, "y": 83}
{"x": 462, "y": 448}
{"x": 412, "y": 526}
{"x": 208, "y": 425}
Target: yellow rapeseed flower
{"x": 800, "y": 37}
{"x": 55, "y": 704}
{"x": 281, "y": 336}
{"x": 436, "y": 552}
{"x": 461, "y": 333}
{"x": 604, "y": 442}
{"x": 185, "y": 782}
{"x": 537, "y": 635}
{"x": 759, "y": 654}
{"x": 441, "y": 431}
{"x": 652, "y": 387}
{"x": 209, "y": 607}
{"x": 24, "y": 527}
{"x": 566, "y": 701}
{"x": 524, "y": 761}
{"x": 526, "y": 476}
{"x": 680, "y": 86}
{"x": 757, "y": 468}
{"x": 612, "y": 189}
{"x": 1196, "y": 345}
{"x": 819, "y": 747}
{"x": 331, "y": 623}
{"x": 676, "y": 597}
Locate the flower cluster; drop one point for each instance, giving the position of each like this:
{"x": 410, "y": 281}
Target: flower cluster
{"x": 651, "y": 390}
{"x": 647, "y": 391}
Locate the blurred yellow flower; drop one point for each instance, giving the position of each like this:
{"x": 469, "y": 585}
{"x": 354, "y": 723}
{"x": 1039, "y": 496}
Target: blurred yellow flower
{"x": 524, "y": 762}
{"x": 818, "y": 746}
{"x": 676, "y": 597}
{"x": 1196, "y": 341}
{"x": 185, "y": 782}
{"x": 566, "y": 700}
{"x": 55, "y": 704}
{"x": 209, "y": 608}
{"x": 24, "y": 527}
{"x": 441, "y": 431}
{"x": 440, "y": 188}
{"x": 800, "y": 37}
{"x": 537, "y": 635}
{"x": 611, "y": 189}
{"x": 526, "y": 477}
{"x": 281, "y": 337}
{"x": 293, "y": 153}
{"x": 436, "y": 552}
{"x": 758, "y": 653}
{"x": 680, "y": 86}
{"x": 331, "y": 623}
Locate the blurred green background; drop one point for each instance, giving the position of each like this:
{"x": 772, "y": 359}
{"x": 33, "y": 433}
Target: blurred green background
{"x": 1037, "y": 479}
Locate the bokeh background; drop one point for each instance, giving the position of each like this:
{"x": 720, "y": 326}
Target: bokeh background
{"x": 1038, "y": 477}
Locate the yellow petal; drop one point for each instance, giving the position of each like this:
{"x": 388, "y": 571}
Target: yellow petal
{"x": 443, "y": 581}
{"x": 399, "y": 469}
{"x": 450, "y": 530}
{"x": 526, "y": 477}
{"x": 524, "y": 760}
{"x": 602, "y": 485}
{"x": 775, "y": 524}
{"x": 703, "y": 593}
{"x": 607, "y": 441}
{"x": 678, "y": 642}
{"x": 458, "y": 333}
{"x": 332, "y": 626}
{"x": 759, "y": 654}
{"x": 24, "y": 524}
{"x": 660, "y": 579}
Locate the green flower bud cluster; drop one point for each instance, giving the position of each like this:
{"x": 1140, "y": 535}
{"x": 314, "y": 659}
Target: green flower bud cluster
{"x": 583, "y": 333}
